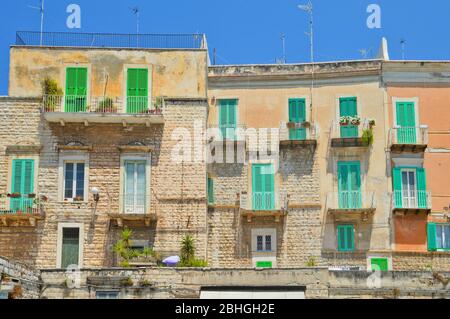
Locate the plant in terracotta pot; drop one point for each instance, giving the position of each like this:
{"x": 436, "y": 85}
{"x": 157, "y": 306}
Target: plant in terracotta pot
{"x": 32, "y": 195}
{"x": 344, "y": 120}
{"x": 14, "y": 195}
{"x": 355, "y": 121}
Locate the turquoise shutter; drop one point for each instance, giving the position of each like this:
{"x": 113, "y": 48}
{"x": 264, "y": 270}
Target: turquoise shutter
{"x": 397, "y": 186}
{"x": 348, "y": 107}
{"x": 210, "y": 185}
{"x": 421, "y": 188}
{"x": 342, "y": 184}
{"x": 346, "y": 238}
{"x": 269, "y": 188}
{"x": 297, "y": 114}
{"x": 257, "y": 187}
{"x": 431, "y": 233}
{"x": 406, "y": 120}
{"x": 232, "y": 110}
{"x": 349, "y": 185}
{"x": 228, "y": 118}
{"x": 23, "y": 184}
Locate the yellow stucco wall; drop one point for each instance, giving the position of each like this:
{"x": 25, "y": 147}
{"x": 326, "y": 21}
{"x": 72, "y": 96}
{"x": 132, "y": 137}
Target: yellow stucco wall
{"x": 175, "y": 73}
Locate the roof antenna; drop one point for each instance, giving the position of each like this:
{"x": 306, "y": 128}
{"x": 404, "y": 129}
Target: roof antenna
{"x": 283, "y": 44}
{"x": 135, "y": 11}
{"x": 402, "y": 43}
{"x": 41, "y": 9}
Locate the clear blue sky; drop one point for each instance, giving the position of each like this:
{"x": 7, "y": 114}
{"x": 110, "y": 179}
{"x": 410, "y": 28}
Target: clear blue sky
{"x": 248, "y": 31}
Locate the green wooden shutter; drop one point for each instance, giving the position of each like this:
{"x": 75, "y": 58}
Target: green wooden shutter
{"x": 137, "y": 90}
{"x": 346, "y": 237}
{"x": 76, "y": 90}
{"x": 421, "y": 188}
{"x": 210, "y": 185}
{"x": 397, "y": 186}
{"x": 431, "y": 234}
{"x": 269, "y": 187}
{"x": 349, "y": 185}
{"x": 23, "y": 184}
{"x": 70, "y": 247}
{"x": 406, "y": 120}
{"x": 257, "y": 187}
{"x": 228, "y": 118}
{"x": 348, "y": 107}
{"x": 297, "y": 114}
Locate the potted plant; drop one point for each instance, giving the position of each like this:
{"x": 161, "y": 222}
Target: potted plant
{"x": 14, "y": 195}
{"x": 106, "y": 106}
{"x": 355, "y": 121}
{"x": 344, "y": 120}
{"x": 372, "y": 123}
{"x": 52, "y": 94}
{"x": 32, "y": 195}
{"x": 367, "y": 137}
{"x": 78, "y": 199}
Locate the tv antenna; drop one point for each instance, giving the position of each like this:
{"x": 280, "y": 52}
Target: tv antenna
{"x": 402, "y": 44}
{"x": 283, "y": 46}
{"x": 309, "y": 8}
{"x": 41, "y": 9}
{"x": 136, "y": 12}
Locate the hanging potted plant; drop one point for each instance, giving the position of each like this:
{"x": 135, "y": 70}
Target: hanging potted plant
{"x": 344, "y": 120}
{"x": 371, "y": 123}
{"x": 355, "y": 121}
{"x": 14, "y": 195}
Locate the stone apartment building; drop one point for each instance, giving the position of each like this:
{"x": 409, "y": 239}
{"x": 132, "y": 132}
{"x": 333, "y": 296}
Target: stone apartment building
{"x": 323, "y": 172}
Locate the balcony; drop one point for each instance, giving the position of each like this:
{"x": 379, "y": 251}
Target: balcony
{"x": 353, "y": 202}
{"x": 132, "y": 209}
{"x": 298, "y": 134}
{"x": 348, "y": 135}
{"x": 409, "y": 139}
{"x": 262, "y": 205}
{"x": 411, "y": 201}
{"x": 17, "y": 208}
{"x": 103, "y": 110}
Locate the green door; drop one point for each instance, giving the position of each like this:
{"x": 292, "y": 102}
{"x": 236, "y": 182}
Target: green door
{"x": 349, "y": 185}
{"x": 70, "y": 247}
{"x": 137, "y": 91}
{"x": 348, "y": 107}
{"x": 297, "y": 114}
{"x": 406, "y": 120}
{"x": 263, "y": 187}
{"x": 228, "y": 118}
{"x": 76, "y": 90}
{"x": 23, "y": 184}
{"x": 379, "y": 264}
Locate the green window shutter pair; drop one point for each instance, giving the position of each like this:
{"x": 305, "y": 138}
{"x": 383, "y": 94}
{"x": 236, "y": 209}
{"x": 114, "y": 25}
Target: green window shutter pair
{"x": 263, "y": 187}
{"x": 348, "y": 107}
{"x": 297, "y": 114}
{"x": 349, "y": 185}
{"x": 23, "y": 184}
{"x": 228, "y": 118}
{"x": 137, "y": 90}
{"x": 76, "y": 90}
{"x": 406, "y": 120}
{"x": 346, "y": 237}
{"x": 422, "y": 196}
{"x": 210, "y": 186}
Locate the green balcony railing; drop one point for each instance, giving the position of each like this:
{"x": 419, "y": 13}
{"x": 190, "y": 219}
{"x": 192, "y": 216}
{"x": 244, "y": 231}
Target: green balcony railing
{"x": 20, "y": 204}
{"x": 350, "y": 200}
{"x": 411, "y": 199}
{"x": 414, "y": 135}
{"x": 263, "y": 201}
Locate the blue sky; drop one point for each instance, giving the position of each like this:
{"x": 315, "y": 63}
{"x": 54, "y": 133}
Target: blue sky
{"x": 248, "y": 31}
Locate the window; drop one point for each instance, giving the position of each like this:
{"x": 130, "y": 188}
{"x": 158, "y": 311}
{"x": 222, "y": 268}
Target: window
{"x": 438, "y": 236}
{"x": 74, "y": 175}
{"x": 228, "y": 118}
{"x": 348, "y": 107}
{"x": 22, "y": 184}
{"x": 135, "y": 187}
{"x": 410, "y": 188}
{"x": 263, "y": 187}
{"x": 297, "y": 114}
{"x": 76, "y": 90}
{"x": 263, "y": 240}
{"x": 406, "y": 122}
{"x": 349, "y": 185}
{"x": 107, "y": 295}
{"x": 210, "y": 186}
{"x": 137, "y": 90}
{"x": 346, "y": 237}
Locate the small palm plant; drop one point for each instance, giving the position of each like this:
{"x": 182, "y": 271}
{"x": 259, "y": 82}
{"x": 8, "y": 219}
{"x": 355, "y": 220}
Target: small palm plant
{"x": 187, "y": 249}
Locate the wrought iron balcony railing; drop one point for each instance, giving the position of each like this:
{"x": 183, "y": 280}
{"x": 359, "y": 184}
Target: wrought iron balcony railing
{"x": 111, "y": 40}
{"x": 305, "y": 131}
{"x": 19, "y": 204}
{"x": 415, "y": 200}
{"x": 414, "y": 135}
{"x": 105, "y": 105}
{"x": 351, "y": 201}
